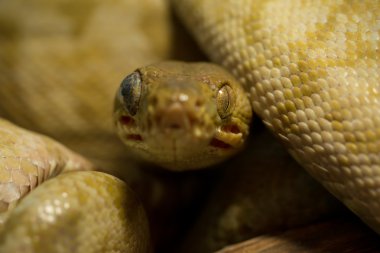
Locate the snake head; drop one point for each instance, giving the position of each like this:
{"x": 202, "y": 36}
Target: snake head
{"x": 182, "y": 116}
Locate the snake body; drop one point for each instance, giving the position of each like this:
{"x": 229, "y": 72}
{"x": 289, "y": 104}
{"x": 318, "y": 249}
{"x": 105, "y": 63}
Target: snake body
{"x": 312, "y": 72}
{"x": 28, "y": 159}
{"x": 80, "y": 210}
{"x": 61, "y": 209}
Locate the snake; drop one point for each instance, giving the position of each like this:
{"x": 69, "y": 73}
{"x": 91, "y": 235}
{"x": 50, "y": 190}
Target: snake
{"x": 310, "y": 71}
{"x": 182, "y": 115}
{"x": 59, "y": 208}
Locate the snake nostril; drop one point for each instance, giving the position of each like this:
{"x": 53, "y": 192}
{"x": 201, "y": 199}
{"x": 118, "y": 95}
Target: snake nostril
{"x": 154, "y": 101}
{"x": 198, "y": 103}
{"x": 192, "y": 119}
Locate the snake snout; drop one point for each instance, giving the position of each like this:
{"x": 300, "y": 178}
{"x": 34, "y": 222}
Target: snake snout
{"x": 174, "y": 117}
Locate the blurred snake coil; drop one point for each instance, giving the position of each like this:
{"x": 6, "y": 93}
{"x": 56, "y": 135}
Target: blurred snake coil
{"x": 311, "y": 70}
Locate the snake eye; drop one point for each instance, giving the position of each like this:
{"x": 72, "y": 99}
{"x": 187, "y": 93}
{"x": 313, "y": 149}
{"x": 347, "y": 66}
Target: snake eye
{"x": 130, "y": 92}
{"x": 225, "y": 101}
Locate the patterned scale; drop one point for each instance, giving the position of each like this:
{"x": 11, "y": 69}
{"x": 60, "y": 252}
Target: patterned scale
{"x": 312, "y": 71}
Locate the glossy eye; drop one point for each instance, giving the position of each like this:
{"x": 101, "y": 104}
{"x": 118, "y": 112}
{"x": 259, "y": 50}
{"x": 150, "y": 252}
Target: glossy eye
{"x": 225, "y": 101}
{"x": 130, "y": 92}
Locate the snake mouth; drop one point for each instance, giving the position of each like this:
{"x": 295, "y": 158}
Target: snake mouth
{"x": 134, "y": 137}
{"x": 228, "y": 137}
{"x": 219, "y": 144}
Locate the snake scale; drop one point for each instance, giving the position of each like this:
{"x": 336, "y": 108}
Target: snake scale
{"x": 311, "y": 71}
{"x": 59, "y": 208}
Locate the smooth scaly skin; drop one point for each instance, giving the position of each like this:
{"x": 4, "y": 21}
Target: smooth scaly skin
{"x": 184, "y": 95}
{"x": 262, "y": 190}
{"x": 81, "y": 211}
{"x": 243, "y": 61}
{"x": 27, "y": 160}
{"x": 312, "y": 72}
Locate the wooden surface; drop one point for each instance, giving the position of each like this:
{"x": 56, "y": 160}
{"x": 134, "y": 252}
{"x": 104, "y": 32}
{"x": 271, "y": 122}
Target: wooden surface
{"x": 345, "y": 234}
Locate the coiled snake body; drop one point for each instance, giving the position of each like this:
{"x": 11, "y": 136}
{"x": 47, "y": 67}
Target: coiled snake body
{"x": 311, "y": 71}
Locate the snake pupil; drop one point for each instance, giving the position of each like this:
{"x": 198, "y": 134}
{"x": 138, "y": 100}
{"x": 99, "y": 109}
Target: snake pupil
{"x": 225, "y": 101}
{"x": 130, "y": 91}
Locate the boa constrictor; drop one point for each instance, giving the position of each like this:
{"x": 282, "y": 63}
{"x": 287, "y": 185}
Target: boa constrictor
{"x": 311, "y": 71}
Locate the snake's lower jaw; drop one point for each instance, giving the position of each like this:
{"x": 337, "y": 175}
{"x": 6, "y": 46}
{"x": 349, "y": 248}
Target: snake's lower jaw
{"x": 186, "y": 150}
{"x": 183, "y": 146}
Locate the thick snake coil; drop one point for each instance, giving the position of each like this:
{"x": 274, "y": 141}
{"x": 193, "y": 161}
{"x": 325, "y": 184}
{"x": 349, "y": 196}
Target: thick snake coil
{"x": 84, "y": 211}
{"x": 311, "y": 69}
{"x": 312, "y": 72}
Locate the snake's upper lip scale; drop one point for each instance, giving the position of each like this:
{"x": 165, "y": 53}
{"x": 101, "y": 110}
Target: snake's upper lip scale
{"x": 127, "y": 122}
